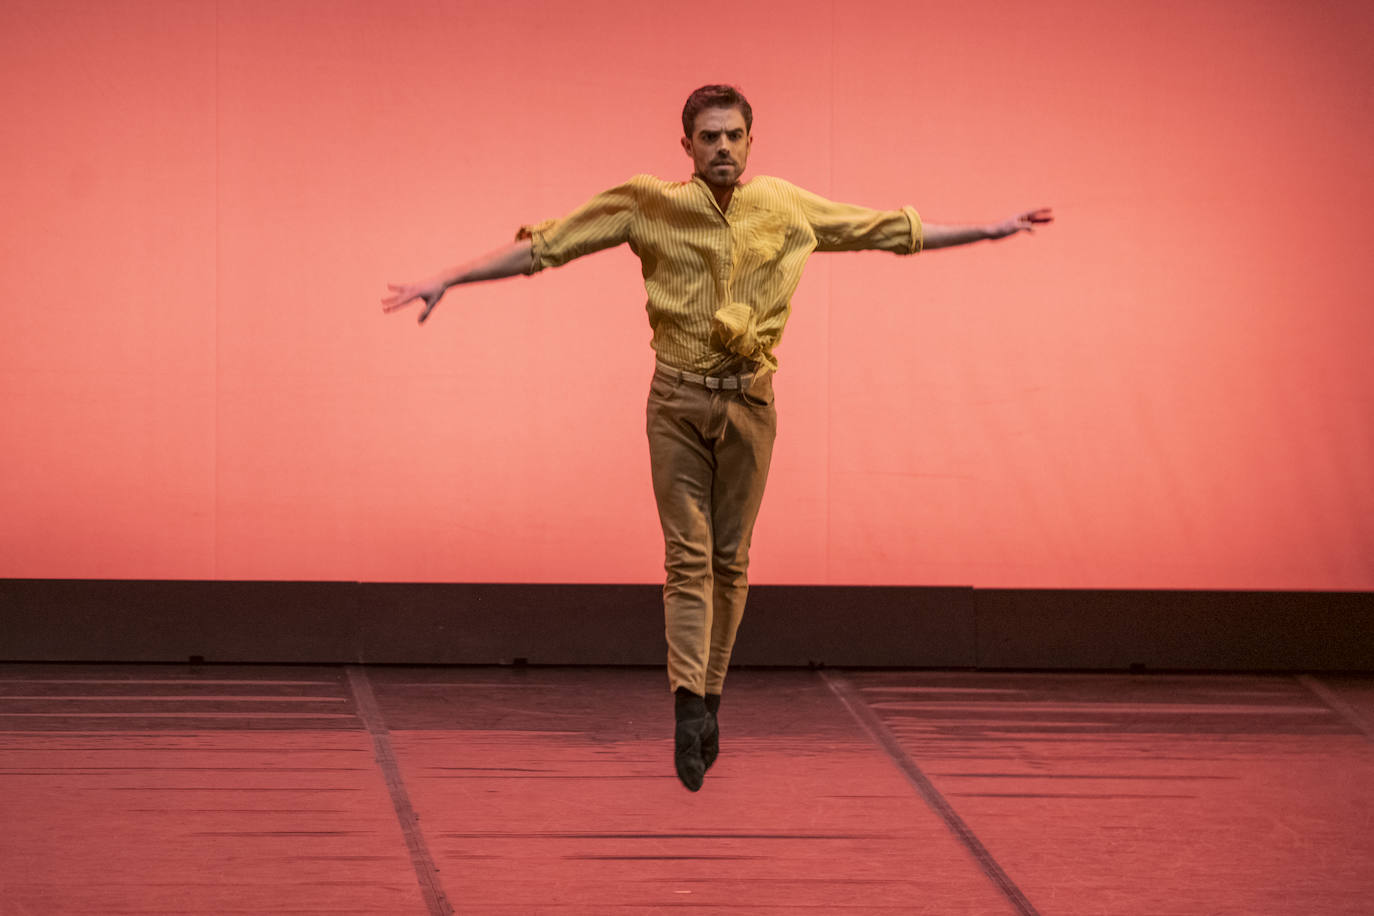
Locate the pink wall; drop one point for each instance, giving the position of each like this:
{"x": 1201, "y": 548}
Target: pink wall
{"x": 1170, "y": 387}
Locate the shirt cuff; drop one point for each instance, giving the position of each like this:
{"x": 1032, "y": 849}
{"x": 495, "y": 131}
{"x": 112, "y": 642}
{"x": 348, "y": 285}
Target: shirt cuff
{"x": 917, "y": 233}
{"x": 538, "y": 244}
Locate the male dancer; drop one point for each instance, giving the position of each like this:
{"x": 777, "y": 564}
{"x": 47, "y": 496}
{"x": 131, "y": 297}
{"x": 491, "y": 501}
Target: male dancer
{"x": 721, "y": 258}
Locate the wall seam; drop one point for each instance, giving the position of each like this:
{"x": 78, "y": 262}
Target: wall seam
{"x": 830, "y": 333}
{"x": 215, "y": 392}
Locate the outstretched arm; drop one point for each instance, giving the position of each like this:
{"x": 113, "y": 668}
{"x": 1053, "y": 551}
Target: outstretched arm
{"x": 937, "y": 236}
{"x": 515, "y": 258}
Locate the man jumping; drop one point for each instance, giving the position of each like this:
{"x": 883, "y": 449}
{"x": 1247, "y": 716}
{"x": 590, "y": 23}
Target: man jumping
{"x": 721, "y": 258}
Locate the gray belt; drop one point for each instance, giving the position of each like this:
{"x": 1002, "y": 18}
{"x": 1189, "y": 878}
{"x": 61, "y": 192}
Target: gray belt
{"x": 714, "y": 382}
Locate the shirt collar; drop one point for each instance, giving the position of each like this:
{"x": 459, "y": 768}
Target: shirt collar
{"x": 710, "y": 195}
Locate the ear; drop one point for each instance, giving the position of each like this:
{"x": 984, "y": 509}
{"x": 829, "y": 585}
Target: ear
{"x": 687, "y": 146}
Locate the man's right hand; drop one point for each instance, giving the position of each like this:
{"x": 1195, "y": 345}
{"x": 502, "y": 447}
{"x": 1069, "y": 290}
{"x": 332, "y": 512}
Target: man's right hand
{"x": 402, "y": 294}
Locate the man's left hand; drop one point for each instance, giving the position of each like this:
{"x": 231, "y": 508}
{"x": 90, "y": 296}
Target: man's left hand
{"x": 1025, "y": 222}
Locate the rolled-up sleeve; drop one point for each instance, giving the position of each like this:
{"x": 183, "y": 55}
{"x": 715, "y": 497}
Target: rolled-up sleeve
{"x": 846, "y": 227}
{"x": 602, "y": 222}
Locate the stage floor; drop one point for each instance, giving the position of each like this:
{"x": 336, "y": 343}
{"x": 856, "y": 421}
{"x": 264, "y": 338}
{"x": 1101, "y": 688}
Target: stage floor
{"x": 349, "y": 790}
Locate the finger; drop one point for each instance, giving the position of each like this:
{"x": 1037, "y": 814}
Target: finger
{"x": 394, "y": 302}
{"x": 400, "y": 292}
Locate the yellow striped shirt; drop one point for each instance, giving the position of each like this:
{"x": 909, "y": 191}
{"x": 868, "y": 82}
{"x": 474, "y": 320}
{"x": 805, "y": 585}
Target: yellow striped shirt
{"x": 719, "y": 284}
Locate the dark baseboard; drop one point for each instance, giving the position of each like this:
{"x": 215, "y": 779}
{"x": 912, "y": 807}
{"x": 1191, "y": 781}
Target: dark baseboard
{"x": 90, "y": 620}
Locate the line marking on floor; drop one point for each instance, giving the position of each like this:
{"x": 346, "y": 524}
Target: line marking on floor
{"x": 883, "y": 735}
{"x": 371, "y": 715}
{"x": 1337, "y": 703}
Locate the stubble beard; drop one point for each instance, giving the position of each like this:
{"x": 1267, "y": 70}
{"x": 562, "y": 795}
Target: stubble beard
{"x": 710, "y": 175}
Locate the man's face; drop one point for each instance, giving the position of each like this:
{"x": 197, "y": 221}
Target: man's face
{"x": 719, "y": 146}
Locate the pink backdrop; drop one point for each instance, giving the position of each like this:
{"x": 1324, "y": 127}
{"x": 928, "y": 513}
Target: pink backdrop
{"x": 1170, "y": 387}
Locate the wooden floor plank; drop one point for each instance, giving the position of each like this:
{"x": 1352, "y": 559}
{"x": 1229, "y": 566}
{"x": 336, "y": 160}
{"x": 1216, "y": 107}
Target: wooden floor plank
{"x": 1143, "y": 794}
{"x": 551, "y": 791}
{"x": 192, "y": 800}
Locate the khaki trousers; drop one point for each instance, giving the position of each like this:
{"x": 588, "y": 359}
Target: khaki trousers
{"x": 709, "y": 451}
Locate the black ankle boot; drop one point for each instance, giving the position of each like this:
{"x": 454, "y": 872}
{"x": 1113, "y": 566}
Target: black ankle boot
{"x": 710, "y": 736}
{"x": 689, "y": 709}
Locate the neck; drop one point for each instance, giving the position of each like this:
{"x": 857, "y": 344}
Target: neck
{"x": 721, "y": 194}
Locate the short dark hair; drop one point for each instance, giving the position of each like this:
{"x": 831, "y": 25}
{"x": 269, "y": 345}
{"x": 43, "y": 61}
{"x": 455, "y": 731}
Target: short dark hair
{"x": 715, "y": 96}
